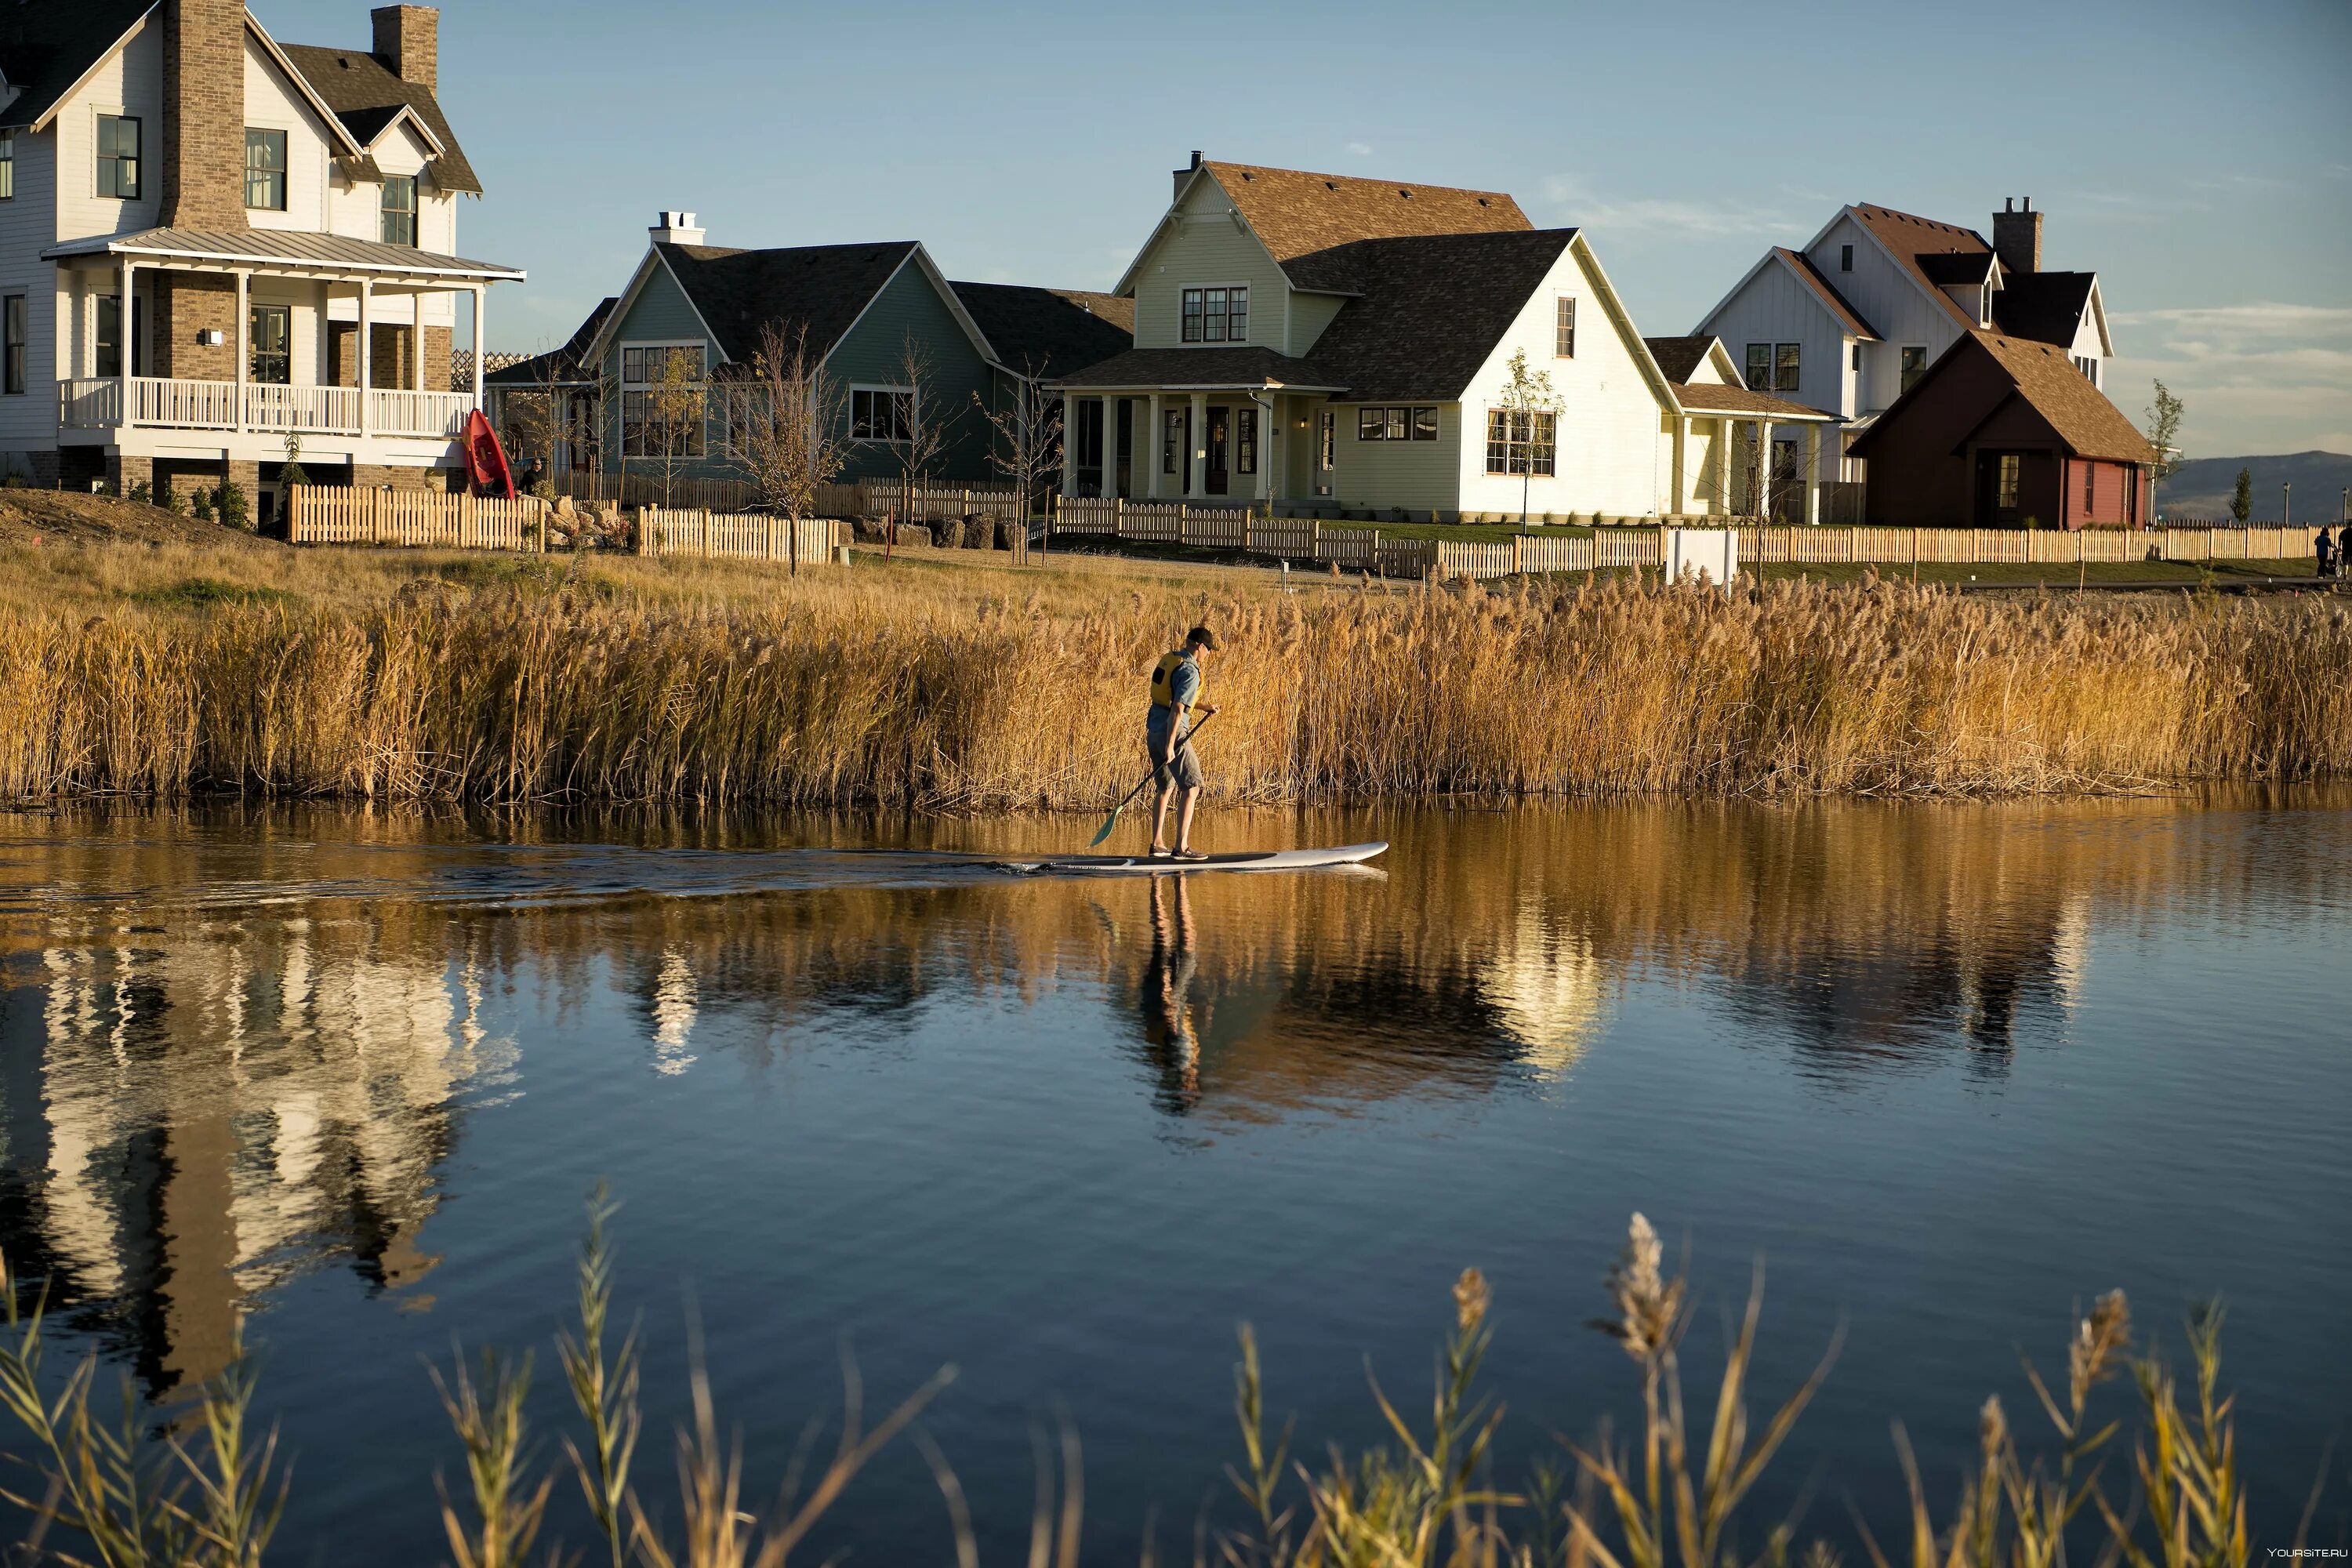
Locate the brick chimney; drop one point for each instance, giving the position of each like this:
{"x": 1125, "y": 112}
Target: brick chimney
{"x": 408, "y": 41}
{"x": 200, "y": 163}
{"x": 2017, "y": 235}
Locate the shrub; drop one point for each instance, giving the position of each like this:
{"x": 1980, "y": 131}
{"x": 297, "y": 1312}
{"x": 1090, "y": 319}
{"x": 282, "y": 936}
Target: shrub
{"x": 234, "y": 510}
{"x": 141, "y": 494}
{"x": 202, "y": 502}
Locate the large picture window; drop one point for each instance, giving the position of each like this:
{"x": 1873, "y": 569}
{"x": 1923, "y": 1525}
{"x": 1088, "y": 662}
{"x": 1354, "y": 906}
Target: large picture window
{"x": 1521, "y": 441}
{"x": 662, "y": 408}
{"x": 881, "y": 413}
{"x": 273, "y": 344}
{"x": 265, "y": 169}
{"x": 1396, "y": 422}
{"x": 118, "y": 156}
{"x": 1217, "y": 315}
{"x": 400, "y": 209}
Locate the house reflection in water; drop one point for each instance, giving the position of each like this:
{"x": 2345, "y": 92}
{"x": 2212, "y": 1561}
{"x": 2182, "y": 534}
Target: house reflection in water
{"x": 189, "y": 1120}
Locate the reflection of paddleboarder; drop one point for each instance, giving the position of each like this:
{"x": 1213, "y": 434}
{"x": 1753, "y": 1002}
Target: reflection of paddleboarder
{"x": 1176, "y": 711}
{"x": 1168, "y": 1025}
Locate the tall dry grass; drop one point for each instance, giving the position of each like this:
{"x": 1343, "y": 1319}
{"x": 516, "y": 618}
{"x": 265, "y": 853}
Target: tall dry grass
{"x": 907, "y": 688}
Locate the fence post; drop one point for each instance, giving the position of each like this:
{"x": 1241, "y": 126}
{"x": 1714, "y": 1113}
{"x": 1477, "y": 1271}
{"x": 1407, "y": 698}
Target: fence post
{"x": 1118, "y": 517}
{"x": 1519, "y": 554}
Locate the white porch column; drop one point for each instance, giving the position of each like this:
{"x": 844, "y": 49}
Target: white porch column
{"x": 1268, "y": 434}
{"x": 1110, "y": 446}
{"x": 1069, "y": 445}
{"x": 1196, "y": 448}
{"x": 1812, "y": 475}
{"x": 1147, "y": 451}
{"x": 416, "y": 341}
{"x": 127, "y": 340}
{"x": 1680, "y": 480}
{"x": 244, "y": 341}
{"x": 480, "y": 292}
{"x": 366, "y": 352}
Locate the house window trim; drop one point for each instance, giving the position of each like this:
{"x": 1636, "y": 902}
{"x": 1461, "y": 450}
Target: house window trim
{"x": 415, "y": 215}
{"x": 100, "y": 115}
{"x": 914, "y": 406}
{"x": 1184, "y": 317}
{"x": 1845, "y": 258}
{"x": 285, "y": 170}
{"x": 623, "y": 387}
{"x": 1541, "y": 442}
{"x": 1563, "y": 327}
{"x": 1789, "y": 360}
{"x": 253, "y": 311}
{"x": 1396, "y": 422}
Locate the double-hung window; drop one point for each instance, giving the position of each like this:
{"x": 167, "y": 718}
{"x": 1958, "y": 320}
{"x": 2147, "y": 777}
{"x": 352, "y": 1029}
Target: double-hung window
{"x": 1217, "y": 315}
{"x": 1785, "y": 359}
{"x": 118, "y": 156}
{"x": 12, "y": 321}
{"x": 271, "y": 327}
{"x": 1760, "y": 367}
{"x": 1915, "y": 360}
{"x": 662, "y": 400}
{"x": 881, "y": 413}
{"x": 1521, "y": 440}
{"x": 265, "y": 169}
{"x": 1564, "y": 330}
{"x": 400, "y": 209}
{"x": 7, "y": 164}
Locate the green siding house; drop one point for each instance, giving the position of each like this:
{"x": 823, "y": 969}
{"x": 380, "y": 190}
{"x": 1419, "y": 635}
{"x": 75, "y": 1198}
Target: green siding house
{"x": 866, "y": 309}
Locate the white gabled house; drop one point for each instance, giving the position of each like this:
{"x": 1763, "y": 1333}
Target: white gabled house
{"x": 1852, "y": 321}
{"x": 1318, "y": 342}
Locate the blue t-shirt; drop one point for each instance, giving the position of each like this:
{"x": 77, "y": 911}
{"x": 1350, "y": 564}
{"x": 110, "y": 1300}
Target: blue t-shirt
{"x": 1184, "y": 684}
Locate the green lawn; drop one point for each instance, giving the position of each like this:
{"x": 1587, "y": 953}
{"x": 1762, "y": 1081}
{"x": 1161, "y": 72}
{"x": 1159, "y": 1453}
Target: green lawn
{"x": 2188, "y": 574}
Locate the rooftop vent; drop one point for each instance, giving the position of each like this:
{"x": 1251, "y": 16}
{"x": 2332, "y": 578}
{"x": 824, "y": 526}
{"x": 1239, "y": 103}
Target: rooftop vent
{"x": 674, "y": 227}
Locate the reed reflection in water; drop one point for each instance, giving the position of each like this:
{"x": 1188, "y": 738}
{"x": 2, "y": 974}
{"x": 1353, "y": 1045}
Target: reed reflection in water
{"x": 243, "y": 1051}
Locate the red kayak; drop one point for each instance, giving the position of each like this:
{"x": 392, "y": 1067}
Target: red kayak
{"x": 487, "y": 458}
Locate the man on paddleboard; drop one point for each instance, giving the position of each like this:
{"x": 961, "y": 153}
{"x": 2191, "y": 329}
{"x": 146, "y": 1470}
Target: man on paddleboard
{"x": 1176, "y": 711}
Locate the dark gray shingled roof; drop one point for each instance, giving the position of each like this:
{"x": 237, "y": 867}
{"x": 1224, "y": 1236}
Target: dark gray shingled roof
{"x": 821, "y": 288}
{"x": 46, "y": 48}
{"x": 557, "y": 364}
{"x": 1037, "y": 330}
{"x": 1679, "y": 358}
{"x": 2045, "y": 306}
{"x": 364, "y": 93}
{"x": 1429, "y": 310}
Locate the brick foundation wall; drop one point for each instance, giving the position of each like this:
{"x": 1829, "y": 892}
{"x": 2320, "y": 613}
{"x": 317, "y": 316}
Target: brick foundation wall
{"x": 437, "y": 359}
{"x": 187, "y": 303}
{"x": 122, "y": 473}
{"x": 202, "y": 172}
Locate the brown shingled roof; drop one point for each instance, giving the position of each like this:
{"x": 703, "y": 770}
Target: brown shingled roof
{"x": 1296, "y": 213}
{"x": 2080, "y": 413}
{"x": 1910, "y": 236}
{"x": 1713, "y": 398}
{"x": 1836, "y": 303}
{"x": 1679, "y": 358}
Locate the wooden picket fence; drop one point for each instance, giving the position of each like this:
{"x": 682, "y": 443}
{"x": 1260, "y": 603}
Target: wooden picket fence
{"x": 737, "y": 535}
{"x": 321, "y": 514}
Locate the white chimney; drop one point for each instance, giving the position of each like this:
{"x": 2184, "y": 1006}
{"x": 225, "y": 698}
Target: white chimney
{"x": 675, "y": 228}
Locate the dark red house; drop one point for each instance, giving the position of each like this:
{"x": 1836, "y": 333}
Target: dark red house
{"x": 2004, "y": 432}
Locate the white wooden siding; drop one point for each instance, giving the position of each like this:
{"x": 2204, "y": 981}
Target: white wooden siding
{"x": 1778, "y": 307}
{"x": 30, "y": 422}
{"x": 273, "y": 103}
{"x": 1209, "y": 248}
{"x": 128, "y": 82}
{"x": 1892, "y": 301}
{"x": 1311, "y": 314}
{"x": 1420, "y": 475}
{"x": 1608, "y": 411}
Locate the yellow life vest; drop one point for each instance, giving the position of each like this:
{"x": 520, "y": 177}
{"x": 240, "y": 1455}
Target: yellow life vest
{"x": 1163, "y": 679}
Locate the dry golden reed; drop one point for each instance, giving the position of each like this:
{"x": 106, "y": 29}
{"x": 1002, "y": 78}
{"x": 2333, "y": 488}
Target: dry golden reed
{"x": 925, "y": 687}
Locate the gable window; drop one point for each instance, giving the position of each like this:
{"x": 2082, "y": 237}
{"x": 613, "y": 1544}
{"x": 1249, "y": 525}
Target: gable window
{"x": 7, "y": 164}
{"x": 1520, "y": 441}
{"x": 662, "y": 400}
{"x": 1400, "y": 423}
{"x": 400, "y": 209}
{"x": 1760, "y": 367}
{"x": 12, "y": 343}
{"x": 272, "y": 338}
{"x": 118, "y": 156}
{"x": 1327, "y": 438}
{"x": 1845, "y": 258}
{"x": 2089, "y": 366}
{"x": 2009, "y": 481}
{"x": 265, "y": 169}
{"x": 1914, "y": 360}
{"x": 1785, "y": 357}
{"x": 884, "y": 414}
{"x": 1564, "y": 330}
{"x": 1214, "y": 315}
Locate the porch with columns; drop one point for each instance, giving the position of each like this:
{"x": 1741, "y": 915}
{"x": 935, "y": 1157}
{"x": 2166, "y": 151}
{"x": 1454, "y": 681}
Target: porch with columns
{"x": 1721, "y": 482}
{"x": 1252, "y": 428}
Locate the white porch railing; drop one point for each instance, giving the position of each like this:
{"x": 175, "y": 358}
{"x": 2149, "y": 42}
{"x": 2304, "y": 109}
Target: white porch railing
{"x": 95, "y": 403}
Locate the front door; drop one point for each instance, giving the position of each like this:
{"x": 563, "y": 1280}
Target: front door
{"x": 2000, "y": 489}
{"x": 1220, "y": 445}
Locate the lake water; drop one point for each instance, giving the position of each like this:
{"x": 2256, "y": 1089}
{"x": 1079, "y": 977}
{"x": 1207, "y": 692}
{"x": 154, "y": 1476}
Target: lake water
{"x": 345, "y": 1078}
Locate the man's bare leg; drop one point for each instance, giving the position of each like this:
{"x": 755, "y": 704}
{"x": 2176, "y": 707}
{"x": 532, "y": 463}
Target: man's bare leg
{"x": 1186, "y": 800}
{"x": 1160, "y": 817}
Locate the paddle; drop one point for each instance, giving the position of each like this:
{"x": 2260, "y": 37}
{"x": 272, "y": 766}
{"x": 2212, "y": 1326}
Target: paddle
{"x": 1112, "y": 820}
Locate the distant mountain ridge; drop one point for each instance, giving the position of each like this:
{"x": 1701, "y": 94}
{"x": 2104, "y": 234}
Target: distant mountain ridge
{"x": 2200, "y": 489}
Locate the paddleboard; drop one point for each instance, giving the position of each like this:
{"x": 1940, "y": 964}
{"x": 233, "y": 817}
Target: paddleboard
{"x": 1251, "y": 860}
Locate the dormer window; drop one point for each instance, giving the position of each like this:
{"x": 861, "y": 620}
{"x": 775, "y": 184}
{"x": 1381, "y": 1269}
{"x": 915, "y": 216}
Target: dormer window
{"x": 265, "y": 169}
{"x": 400, "y": 209}
{"x": 1217, "y": 315}
{"x": 117, "y": 157}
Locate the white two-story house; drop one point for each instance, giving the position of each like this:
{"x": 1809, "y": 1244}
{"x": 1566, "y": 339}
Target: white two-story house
{"x": 218, "y": 252}
{"x": 1852, "y": 320}
{"x": 1314, "y": 341}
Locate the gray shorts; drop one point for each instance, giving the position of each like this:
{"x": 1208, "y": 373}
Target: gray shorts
{"x": 1185, "y": 772}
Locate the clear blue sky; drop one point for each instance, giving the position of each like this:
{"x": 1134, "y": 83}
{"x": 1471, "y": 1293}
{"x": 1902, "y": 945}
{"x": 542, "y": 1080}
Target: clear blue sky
{"x": 2198, "y": 157}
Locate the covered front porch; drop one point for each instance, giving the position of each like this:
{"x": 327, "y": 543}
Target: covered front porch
{"x": 1206, "y": 431}
{"x": 268, "y": 343}
{"x": 1734, "y": 453}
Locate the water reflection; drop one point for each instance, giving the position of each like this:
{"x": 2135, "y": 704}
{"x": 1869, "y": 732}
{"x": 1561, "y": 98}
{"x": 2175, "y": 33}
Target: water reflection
{"x": 200, "y": 1101}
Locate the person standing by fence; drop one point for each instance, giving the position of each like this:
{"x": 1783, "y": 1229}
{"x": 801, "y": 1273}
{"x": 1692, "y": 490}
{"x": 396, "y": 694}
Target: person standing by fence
{"x": 2322, "y": 546}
